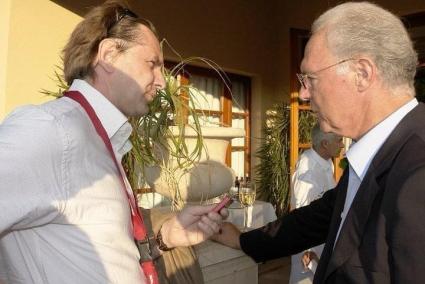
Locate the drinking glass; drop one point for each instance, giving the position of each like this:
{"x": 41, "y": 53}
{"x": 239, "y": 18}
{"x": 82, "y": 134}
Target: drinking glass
{"x": 234, "y": 193}
{"x": 247, "y": 199}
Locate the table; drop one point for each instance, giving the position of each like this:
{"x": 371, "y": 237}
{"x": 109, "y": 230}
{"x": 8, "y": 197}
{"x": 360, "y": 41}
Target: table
{"x": 221, "y": 264}
{"x": 224, "y": 265}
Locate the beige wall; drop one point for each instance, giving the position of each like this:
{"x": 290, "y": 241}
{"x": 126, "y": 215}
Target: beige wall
{"x": 4, "y": 43}
{"x": 38, "y": 29}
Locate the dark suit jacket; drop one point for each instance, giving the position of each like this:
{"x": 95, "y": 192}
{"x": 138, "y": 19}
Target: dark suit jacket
{"x": 383, "y": 237}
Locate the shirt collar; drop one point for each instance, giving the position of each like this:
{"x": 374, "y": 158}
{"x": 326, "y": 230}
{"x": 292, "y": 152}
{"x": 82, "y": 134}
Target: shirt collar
{"x": 362, "y": 152}
{"x": 113, "y": 120}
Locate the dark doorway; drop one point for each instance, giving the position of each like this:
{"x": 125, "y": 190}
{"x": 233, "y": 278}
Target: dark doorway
{"x": 415, "y": 24}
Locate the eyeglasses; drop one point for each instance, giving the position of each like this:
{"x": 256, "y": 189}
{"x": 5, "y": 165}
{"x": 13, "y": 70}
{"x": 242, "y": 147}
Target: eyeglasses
{"x": 121, "y": 14}
{"x": 305, "y": 78}
{"x": 125, "y": 13}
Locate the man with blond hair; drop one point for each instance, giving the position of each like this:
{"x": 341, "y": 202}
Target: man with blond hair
{"x": 68, "y": 214}
{"x": 358, "y": 71}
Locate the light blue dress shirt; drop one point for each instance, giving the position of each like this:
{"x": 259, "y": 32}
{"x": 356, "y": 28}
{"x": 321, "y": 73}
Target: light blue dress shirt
{"x": 362, "y": 152}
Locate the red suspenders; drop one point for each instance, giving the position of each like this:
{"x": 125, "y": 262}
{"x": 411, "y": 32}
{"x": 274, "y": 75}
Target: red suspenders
{"x": 139, "y": 230}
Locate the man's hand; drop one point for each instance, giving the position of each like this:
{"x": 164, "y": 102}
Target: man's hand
{"x": 193, "y": 225}
{"x": 228, "y": 236}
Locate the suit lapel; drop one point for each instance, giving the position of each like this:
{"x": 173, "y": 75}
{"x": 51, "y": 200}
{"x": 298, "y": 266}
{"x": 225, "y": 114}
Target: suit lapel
{"x": 358, "y": 215}
{"x": 353, "y": 227}
{"x": 333, "y": 228}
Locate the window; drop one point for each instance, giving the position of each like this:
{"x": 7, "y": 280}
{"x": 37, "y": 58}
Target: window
{"x": 224, "y": 108}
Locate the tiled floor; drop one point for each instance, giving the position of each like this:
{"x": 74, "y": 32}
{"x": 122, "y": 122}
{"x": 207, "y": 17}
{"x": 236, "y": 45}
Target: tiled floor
{"x": 275, "y": 271}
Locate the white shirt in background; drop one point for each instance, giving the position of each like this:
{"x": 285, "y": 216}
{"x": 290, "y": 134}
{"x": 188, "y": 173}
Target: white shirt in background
{"x": 313, "y": 176}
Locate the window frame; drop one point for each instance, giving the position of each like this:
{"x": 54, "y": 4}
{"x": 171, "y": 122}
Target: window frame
{"x": 225, "y": 114}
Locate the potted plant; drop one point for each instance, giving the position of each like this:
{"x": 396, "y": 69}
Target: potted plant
{"x": 182, "y": 161}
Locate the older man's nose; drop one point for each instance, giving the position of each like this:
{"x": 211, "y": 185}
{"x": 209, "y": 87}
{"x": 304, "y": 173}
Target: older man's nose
{"x": 304, "y": 94}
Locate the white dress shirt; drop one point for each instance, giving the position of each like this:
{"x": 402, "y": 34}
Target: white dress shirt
{"x": 64, "y": 216}
{"x": 312, "y": 177}
{"x": 362, "y": 152}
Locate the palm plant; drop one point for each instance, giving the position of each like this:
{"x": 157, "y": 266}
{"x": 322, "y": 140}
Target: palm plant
{"x": 152, "y": 135}
{"x": 273, "y": 172}
{"x": 307, "y": 119}
{"x": 273, "y": 175}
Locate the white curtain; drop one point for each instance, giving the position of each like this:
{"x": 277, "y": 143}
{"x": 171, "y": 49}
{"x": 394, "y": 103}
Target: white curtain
{"x": 238, "y": 106}
{"x": 209, "y": 99}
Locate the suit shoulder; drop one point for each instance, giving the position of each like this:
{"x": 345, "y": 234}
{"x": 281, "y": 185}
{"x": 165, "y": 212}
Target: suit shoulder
{"x": 412, "y": 154}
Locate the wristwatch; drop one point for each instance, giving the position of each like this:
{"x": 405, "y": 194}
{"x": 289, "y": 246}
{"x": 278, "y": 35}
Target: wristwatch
{"x": 161, "y": 245}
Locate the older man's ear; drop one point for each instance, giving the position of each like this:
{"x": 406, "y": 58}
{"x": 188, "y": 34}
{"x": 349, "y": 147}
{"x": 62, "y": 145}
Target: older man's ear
{"x": 365, "y": 74}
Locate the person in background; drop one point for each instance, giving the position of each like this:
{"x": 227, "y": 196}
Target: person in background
{"x": 358, "y": 72}
{"x": 312, "y": 177}
{"x": 64, "y": 198}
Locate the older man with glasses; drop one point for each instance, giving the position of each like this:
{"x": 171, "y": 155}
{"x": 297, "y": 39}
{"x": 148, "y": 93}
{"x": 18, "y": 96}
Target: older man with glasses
{"x": 358, "y": 71}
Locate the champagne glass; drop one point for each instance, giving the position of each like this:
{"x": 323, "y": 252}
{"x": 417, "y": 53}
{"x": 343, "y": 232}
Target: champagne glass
{"x": 247, "y": 199}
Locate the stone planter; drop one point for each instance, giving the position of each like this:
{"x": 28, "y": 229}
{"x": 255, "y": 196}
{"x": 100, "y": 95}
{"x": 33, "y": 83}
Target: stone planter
{"x": 208, "y": 178}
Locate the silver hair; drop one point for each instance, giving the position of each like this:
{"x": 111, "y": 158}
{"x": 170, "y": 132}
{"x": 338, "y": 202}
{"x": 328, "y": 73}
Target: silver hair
{"x": 317, "y": 136}
{"x": 363, "y": 28}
